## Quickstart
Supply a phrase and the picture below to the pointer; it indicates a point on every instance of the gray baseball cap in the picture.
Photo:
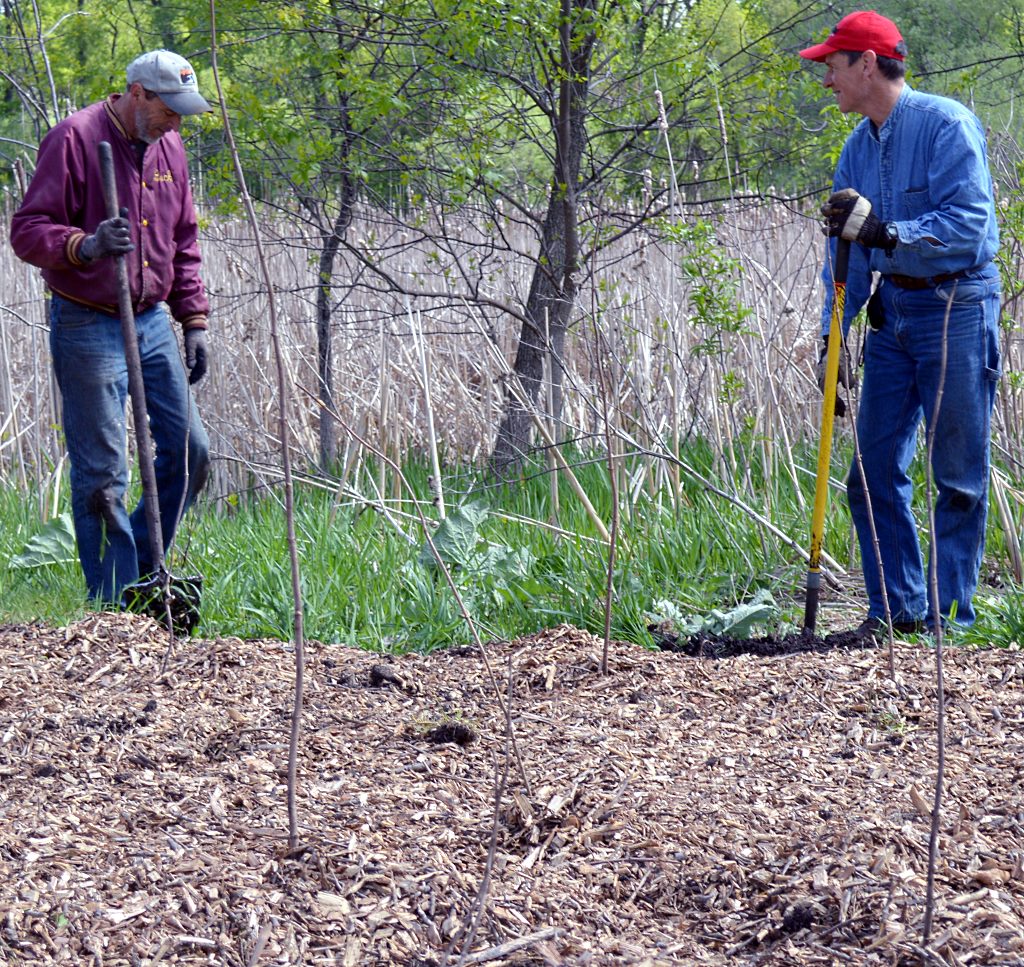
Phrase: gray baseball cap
(171, 77)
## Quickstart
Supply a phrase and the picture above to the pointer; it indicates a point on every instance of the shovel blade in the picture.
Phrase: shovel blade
(157, 594)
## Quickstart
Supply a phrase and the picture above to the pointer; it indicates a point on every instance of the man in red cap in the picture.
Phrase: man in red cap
(913, 193)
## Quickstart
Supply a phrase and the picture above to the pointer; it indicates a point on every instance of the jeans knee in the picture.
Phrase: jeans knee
(855, 487)
(963, 501)
(198, 457)
(103, 502)
(200, 472)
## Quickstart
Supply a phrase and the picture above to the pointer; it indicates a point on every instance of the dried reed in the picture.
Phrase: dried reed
(755, 397)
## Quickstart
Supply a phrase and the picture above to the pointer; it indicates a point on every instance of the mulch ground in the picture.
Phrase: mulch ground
(677, 810)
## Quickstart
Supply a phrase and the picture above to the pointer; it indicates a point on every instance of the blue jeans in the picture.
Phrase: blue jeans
(89, 363)
(902, 366)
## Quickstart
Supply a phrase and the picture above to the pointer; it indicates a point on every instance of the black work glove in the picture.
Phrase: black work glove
(848, 215)
(112, 237)
(196, 354)
(847, 375)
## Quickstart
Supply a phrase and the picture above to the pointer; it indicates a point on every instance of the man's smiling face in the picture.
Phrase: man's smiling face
(847, 81)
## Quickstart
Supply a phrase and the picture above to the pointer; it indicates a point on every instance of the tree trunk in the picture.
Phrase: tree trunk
(324, 350)
(552, 295)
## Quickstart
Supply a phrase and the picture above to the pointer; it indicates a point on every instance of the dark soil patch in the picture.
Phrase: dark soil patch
(771, 646)
(452, 732)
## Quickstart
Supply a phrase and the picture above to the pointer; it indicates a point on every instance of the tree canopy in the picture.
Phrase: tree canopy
(453, 99)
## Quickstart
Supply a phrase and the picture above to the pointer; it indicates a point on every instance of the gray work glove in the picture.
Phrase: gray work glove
(848, 215)
(112, 237)
(196, 354)
(847, 375)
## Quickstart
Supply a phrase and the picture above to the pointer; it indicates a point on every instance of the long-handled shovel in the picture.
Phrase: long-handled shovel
(175, 600)
(828, 406)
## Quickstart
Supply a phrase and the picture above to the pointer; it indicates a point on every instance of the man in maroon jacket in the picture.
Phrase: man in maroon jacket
(62, 228)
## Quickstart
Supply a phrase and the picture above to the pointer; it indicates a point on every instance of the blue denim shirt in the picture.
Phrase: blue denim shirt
(926, 169)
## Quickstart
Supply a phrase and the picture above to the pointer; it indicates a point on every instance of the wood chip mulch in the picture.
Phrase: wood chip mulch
(674, 811)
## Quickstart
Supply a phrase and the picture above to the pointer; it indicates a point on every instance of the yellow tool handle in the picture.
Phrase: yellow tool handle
(828, 408)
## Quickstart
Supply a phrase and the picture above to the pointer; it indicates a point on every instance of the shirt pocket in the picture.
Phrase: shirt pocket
(916, 202)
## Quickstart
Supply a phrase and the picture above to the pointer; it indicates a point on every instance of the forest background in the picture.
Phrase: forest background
(545, 278)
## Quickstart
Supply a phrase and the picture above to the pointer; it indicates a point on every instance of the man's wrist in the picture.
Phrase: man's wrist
(198, 321)
(77, 251)
(874, 233)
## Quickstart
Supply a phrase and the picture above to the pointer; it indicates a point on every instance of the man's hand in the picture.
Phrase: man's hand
(196, 354)
(112, 237)
(847, 375)
(848, 215)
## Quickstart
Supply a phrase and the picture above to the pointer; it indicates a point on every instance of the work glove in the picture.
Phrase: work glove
(847, 373)
(848, 215)
(112, 237)
(196, 354)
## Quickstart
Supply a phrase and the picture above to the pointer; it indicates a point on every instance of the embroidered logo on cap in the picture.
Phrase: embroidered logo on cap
(185, 74)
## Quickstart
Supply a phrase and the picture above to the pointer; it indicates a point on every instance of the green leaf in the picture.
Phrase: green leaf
(54, 544)
(505, 563)
(457, 536)
(739, 622)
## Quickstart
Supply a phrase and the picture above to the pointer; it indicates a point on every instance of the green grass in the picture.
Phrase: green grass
(366, 585)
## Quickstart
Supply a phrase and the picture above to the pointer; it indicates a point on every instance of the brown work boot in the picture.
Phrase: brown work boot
(877, 630)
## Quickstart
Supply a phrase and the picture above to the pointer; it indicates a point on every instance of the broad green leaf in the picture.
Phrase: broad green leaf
(736, 623)
(54, 544)
(457, 536)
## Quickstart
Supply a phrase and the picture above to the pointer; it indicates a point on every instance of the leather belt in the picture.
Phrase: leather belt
(914, 283)
(108, 309)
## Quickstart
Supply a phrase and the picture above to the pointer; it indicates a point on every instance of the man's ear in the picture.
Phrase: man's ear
(870, 59)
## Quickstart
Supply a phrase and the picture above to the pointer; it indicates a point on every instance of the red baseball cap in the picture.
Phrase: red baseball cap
(863, 30)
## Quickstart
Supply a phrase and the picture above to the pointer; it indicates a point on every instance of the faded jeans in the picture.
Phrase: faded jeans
(902, 367)
(89, 363)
